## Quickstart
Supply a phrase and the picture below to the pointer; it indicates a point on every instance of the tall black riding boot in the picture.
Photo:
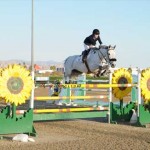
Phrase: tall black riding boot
(84, 56)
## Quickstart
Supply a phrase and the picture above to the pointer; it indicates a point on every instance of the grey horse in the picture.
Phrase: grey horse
(98, 60)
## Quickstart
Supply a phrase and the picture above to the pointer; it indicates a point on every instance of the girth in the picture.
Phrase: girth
(87, 66)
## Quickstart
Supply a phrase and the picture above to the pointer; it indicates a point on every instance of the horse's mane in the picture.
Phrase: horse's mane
(104, 47)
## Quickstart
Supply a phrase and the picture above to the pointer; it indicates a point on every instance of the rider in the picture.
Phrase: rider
(90, 42)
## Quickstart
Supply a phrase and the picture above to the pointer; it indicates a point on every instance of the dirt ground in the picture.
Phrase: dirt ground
(83, 135)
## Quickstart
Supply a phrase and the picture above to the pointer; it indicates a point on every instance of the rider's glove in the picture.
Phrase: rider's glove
(100, 46)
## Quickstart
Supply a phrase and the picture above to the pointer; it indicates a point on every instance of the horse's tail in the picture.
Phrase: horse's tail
(65, 65)
(66, 60)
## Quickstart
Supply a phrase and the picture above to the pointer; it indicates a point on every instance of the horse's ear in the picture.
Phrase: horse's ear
(114, 46)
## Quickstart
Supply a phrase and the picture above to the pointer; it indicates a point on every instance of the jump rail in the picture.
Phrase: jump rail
(64, 110)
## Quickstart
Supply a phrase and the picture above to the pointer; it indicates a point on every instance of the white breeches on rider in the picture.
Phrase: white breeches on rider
(86, 47)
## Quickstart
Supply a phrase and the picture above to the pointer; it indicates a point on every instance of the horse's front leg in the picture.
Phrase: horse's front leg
(98, 74)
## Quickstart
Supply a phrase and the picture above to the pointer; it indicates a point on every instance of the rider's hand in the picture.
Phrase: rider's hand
(92, 46)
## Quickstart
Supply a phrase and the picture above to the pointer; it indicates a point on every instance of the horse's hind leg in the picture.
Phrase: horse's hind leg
(67, 78)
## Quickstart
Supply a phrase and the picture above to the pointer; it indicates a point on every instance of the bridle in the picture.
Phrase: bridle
(107, 61)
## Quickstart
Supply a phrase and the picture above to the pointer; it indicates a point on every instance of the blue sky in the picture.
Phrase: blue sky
(62, 25)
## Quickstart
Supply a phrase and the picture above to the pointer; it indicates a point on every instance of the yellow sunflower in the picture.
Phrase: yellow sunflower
(121, 76)
(145, 85)
(1, 71)
(15, 84)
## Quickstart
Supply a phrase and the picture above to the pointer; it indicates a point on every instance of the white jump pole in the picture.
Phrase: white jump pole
(32, 53)
(139, 92)
(110, 95)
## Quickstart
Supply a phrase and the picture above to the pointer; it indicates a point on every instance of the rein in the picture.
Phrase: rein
(102, 56)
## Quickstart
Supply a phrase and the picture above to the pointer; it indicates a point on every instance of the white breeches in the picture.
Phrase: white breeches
(86, 47)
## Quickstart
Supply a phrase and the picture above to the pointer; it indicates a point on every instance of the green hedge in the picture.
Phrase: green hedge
(53, 78)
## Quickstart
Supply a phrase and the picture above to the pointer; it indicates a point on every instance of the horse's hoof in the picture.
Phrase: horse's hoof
(67, 82)
(95, 76)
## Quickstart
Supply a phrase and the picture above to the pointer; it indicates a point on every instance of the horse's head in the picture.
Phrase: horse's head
(104, 57)
(112, 56)
(108, 54)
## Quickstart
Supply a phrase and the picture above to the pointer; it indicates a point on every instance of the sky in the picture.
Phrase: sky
(60, 27)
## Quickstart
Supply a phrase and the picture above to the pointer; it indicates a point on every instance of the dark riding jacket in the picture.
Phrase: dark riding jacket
(91, 41)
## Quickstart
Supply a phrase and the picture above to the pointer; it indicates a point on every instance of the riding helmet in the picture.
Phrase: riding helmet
(96, 31)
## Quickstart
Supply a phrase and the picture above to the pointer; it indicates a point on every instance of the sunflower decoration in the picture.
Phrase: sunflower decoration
(1, 71)
(121, 76)
(15, 84)
(145, 85)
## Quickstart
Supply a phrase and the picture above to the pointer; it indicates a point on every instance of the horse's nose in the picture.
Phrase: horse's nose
(113, 59)
(113, 65)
